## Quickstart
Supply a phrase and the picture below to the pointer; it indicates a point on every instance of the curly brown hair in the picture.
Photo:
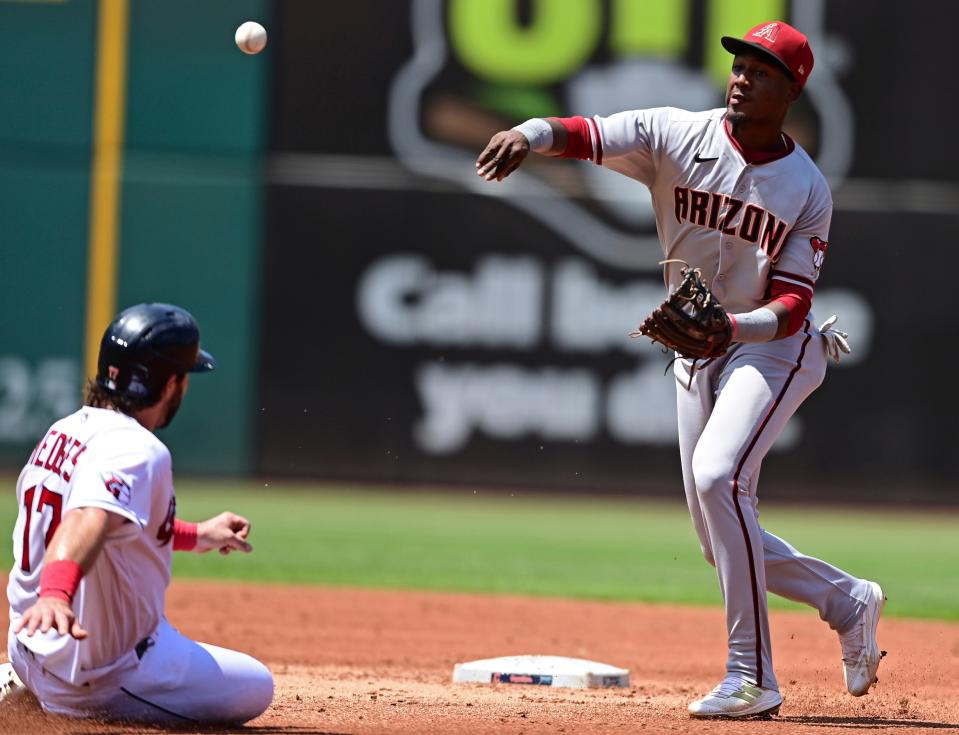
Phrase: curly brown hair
(97, 396)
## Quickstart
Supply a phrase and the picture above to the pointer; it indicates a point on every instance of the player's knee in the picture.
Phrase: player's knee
(711, 475)
(252, 694)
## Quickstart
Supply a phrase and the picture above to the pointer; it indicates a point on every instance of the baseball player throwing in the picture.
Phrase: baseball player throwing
(738, 199)
(94, 541)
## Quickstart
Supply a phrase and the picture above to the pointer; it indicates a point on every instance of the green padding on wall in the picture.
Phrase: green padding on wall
(191, 206)
(46, 78)
(46, 72)
(190, 87)
(43, 206)
(189, 234)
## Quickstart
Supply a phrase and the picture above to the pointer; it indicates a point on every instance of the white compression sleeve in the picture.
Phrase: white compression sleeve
(759, 325)
(538, 133)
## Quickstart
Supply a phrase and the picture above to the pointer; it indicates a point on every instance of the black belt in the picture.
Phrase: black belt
(142, 646)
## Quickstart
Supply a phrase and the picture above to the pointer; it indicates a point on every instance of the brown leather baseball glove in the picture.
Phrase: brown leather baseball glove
(691, 321)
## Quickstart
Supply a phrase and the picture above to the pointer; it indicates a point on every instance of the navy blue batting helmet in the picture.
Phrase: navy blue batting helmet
(146, 344)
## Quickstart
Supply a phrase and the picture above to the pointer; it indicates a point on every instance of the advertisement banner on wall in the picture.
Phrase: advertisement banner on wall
(423, 325)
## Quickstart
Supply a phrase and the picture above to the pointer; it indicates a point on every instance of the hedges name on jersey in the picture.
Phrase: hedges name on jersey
(99, 458)
(93, 544)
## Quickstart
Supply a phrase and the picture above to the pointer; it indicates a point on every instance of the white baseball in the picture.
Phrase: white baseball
(250, 37)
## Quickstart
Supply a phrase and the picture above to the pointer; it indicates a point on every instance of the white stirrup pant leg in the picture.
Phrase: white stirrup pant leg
(182, 681)
(757, 388)
(693, 407)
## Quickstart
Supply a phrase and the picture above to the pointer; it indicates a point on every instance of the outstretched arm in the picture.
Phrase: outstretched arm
(71, 553)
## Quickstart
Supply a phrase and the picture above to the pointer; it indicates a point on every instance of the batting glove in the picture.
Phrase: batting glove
(836, 341)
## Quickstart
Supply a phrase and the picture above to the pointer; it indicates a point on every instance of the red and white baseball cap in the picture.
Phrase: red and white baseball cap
(779, 40)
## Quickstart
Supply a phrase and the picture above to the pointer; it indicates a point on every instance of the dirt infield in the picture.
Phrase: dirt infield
(362, 661)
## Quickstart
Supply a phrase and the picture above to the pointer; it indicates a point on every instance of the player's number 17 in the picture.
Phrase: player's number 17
(47, 498)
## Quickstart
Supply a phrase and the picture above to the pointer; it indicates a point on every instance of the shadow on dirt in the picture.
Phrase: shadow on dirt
(105, 729)
(867, 723)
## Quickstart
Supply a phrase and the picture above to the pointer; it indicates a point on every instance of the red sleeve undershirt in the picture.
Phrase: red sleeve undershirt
(796, 299)
(580, 138)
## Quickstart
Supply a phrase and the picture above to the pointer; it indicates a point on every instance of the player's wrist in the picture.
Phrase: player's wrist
(60, 579)
(759, 325)
(538, 132)
(185, 535)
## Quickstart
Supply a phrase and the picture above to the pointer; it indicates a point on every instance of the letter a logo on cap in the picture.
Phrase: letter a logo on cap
(769, 31)
(779, 40)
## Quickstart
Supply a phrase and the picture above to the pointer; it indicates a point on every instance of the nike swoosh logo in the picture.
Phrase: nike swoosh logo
(699, 159)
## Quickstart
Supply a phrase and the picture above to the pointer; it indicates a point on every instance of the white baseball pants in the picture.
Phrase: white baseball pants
(730, 415)
(176, 681)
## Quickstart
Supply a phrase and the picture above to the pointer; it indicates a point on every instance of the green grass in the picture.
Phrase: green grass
(597, 548)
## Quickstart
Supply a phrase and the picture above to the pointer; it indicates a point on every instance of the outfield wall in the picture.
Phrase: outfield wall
(381, 314)
(188, 217)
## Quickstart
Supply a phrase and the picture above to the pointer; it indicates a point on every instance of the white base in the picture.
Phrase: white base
(553, 671)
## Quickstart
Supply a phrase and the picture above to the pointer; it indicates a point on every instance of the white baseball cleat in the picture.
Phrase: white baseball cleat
(860, 651)
(737, 697)
(9, 681)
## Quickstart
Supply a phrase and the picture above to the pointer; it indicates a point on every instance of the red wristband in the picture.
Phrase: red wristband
(60, 579)
(184, 535)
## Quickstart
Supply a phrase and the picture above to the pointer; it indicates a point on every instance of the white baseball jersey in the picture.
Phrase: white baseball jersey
(104, 459)
(746, 226)
(742, 224)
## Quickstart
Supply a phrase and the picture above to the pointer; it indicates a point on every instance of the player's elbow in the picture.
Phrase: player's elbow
(790, 308)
